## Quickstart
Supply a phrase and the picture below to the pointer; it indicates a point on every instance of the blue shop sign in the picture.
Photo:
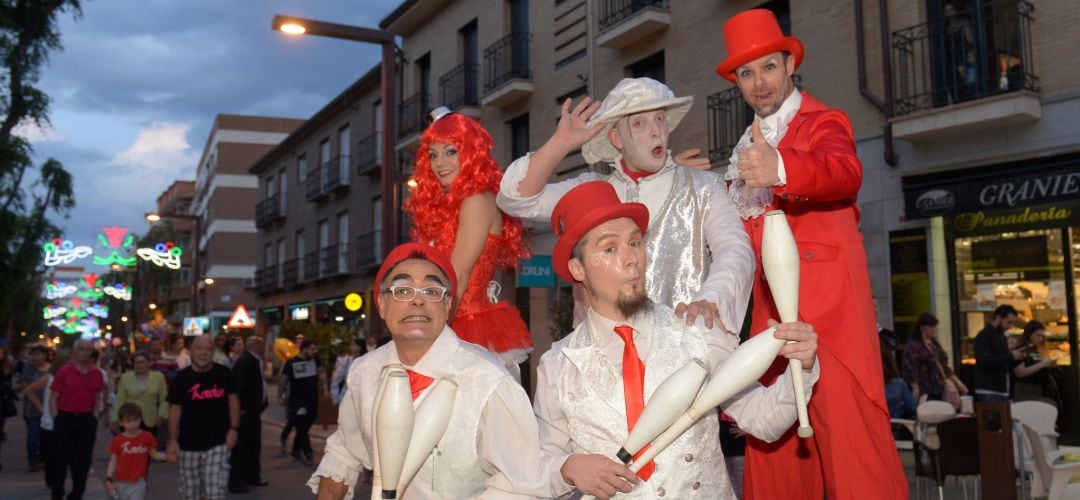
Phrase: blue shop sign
(536, 272)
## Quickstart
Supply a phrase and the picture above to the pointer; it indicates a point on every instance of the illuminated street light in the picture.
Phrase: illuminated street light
(293, 28)
(209, 281)
(123, 318)
(152, 306)
(411, 183)
(151, 217)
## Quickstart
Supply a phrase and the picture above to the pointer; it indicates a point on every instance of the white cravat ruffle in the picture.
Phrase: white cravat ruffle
(750, 201)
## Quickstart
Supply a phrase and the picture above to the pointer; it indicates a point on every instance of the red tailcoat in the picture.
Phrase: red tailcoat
(852, 454)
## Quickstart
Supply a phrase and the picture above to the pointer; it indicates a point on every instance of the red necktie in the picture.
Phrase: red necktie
(418, 383)
(633, 389)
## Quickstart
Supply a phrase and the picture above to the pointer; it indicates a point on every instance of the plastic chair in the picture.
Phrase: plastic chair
(925, 440)
(906, 424)
(1042, 418)
(958, 454)
(1056, 475)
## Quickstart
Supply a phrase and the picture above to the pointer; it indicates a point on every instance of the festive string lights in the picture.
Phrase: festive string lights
(118, 291)
(117, 239)
(98, 310)
(53, 311)
(59, 290)
(60, 251)
(165, 254)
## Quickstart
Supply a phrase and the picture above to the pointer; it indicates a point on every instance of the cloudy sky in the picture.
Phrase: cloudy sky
(137, 86)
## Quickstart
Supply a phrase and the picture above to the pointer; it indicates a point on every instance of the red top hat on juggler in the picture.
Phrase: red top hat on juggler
(583, 208)
(752, 34)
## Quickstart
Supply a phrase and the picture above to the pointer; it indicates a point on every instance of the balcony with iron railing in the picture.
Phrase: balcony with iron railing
(976, 66)
(311, 267)
(368, 250)
(507, 74)
(269, 210)
(289, 273)
(334, 260)
(460, 87)
(337, 173)
(315, 184)
(266, 279)
(624, 22)
(412, 118)
(368, 155)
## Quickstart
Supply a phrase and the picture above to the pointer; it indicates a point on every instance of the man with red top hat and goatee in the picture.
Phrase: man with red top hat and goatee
(799, 156)
(489, 449)
(593, 384)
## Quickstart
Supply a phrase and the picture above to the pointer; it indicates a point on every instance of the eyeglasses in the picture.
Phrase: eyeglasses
(405, 293)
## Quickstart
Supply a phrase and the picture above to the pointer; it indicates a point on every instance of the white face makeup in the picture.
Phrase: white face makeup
(642, 139)
(766, 81)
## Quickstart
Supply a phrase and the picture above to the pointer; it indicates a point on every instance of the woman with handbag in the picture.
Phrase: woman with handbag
(926, 367)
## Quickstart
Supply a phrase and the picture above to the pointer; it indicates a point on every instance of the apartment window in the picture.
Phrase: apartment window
(324, 156)
(301, 168)
(269, 186)
(423, 77)
(343, 141)
(343, 242)
(649, 67)
(300, 253)
(283, 178)
(268, 255)
(519, 136)
(324, 244)
(376, 111)
(281, 260)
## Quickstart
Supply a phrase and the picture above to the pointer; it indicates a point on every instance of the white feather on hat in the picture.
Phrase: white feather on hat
(631, 96)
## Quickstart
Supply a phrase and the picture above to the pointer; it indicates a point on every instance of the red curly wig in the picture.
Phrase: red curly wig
(434, 209)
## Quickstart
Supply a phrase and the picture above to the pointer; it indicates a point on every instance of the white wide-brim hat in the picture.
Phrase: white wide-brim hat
(632, 96)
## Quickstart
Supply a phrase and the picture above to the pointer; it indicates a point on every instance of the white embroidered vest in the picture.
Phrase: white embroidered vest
(590, 393)
(678, 253)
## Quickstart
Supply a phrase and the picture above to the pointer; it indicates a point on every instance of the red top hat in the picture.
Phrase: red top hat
(752, 34)
(583, 208)
(408, 251)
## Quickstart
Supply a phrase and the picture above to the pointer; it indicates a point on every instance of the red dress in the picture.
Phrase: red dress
(495, 326)
(852, 454)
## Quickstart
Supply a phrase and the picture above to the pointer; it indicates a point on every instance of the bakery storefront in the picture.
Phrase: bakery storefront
(1009, 234)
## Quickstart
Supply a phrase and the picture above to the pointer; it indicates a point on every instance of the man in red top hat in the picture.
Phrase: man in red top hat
(799, 156)
(593, 384)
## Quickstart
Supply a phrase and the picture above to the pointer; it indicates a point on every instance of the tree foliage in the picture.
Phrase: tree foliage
(28, 33)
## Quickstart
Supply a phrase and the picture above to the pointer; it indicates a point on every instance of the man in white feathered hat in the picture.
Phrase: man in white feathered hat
(701, 260)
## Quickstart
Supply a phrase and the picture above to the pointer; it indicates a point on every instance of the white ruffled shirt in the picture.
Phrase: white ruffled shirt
(507, 438)
(751, 202)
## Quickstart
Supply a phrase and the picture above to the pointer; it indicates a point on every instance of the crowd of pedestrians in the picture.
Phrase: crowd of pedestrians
(192, 401)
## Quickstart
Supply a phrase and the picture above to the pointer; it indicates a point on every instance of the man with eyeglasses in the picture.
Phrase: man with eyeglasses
(490, 448)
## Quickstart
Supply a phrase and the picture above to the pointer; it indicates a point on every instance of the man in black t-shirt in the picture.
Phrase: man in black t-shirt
(303, 376)
(204, 413)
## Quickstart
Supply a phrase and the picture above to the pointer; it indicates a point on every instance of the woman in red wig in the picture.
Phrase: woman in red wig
(453, 209)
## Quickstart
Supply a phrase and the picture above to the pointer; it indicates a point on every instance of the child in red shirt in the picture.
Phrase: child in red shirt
(129, 456)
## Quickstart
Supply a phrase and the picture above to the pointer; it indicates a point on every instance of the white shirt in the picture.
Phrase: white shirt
(764, 412)
(729, 278)
(507, 443)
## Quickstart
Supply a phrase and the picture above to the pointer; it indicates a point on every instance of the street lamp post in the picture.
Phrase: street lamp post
(296, 26)
(151, 217)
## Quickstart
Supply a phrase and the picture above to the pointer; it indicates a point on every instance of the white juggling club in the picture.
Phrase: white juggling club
(376, 478)
(430, 423)
(743, 367)
(393, 428)
(669, 401)
(780, 262)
